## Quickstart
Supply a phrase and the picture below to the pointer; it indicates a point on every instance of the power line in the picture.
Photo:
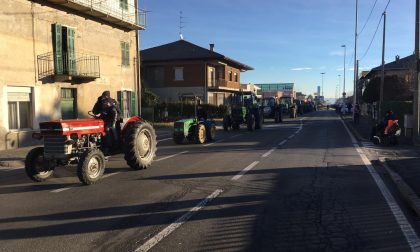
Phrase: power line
(368, 18)
(376, 31)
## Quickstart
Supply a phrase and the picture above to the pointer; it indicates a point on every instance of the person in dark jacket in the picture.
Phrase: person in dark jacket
(108, 110)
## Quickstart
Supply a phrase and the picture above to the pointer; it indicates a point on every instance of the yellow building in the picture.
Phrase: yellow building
(58, 56)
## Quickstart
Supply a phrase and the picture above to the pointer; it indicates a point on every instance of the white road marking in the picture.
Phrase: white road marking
(234, 136)
(110, 174)
(406, 228)
(169, 229)
(245, 170)
(170, 156)
(165, 139)
(291, 136)
(282, 142)
(61, 190)
(268, 153)
(218, 141)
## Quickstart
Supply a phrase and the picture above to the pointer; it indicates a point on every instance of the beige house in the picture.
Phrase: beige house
(58, 56)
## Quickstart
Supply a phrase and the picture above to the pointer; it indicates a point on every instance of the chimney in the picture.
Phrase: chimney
(397, 58)
(212, 47)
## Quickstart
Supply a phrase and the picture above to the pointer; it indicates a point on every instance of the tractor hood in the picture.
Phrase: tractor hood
(67, 127)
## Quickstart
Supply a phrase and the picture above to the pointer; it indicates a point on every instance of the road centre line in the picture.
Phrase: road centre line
(245, 170)
(218, 141)
(268, 153)
(282, 142)
(165, 139)
(171, 156)
(61, 190)
(169, 229)
(406, 228)
(110, 174)
(235, 136)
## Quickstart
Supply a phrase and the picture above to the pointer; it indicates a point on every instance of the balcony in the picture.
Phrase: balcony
(119, 13)
(81, 66)
(224, 84)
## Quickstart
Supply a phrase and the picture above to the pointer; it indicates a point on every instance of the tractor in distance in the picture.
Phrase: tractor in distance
(289, 107)
(82, 142)
(197, 129)
(272, 108)
(243, 108)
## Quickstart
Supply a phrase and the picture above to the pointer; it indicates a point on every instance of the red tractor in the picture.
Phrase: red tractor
(81, 142)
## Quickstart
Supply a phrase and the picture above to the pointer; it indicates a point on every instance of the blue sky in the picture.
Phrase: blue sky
(286, 40)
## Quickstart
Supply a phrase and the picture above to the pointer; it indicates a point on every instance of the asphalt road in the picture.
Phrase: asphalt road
(303, 185)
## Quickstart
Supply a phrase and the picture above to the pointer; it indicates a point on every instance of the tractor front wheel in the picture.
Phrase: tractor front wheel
(91, 167)
(140, 145)
(200, 134)
(36, 167)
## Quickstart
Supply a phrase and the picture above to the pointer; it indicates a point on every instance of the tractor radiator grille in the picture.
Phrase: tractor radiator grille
(56, 146)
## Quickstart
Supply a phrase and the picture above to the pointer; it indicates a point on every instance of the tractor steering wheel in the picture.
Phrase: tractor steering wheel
(92, 114)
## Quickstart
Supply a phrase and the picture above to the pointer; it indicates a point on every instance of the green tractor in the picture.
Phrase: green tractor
(195, 130)
(272, 108)
(289, 107)
(243, 108)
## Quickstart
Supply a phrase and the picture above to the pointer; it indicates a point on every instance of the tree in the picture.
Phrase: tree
(395, 89)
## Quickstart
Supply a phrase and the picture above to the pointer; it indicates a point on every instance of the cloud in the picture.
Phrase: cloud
(301, 68)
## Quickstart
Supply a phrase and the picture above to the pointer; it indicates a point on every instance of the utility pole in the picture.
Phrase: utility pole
(416, 110)
(344, 76)
(381, 88)
(355, 56)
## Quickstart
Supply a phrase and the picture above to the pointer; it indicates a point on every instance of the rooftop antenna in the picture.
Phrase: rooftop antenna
(181, 25)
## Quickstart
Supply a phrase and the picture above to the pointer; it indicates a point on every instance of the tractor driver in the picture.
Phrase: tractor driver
(108, 110)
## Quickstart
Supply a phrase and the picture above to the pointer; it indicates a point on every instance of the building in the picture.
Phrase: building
(253, 88)
(318, 90)
(59, 56)
(175, 70)
(277, 89)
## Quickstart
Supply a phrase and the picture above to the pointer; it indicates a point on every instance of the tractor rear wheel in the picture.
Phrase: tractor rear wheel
(227, 123)
(211, 133)
(200, 134)
(250, 122)
(140, 145)
(235, 126)
(35, 165)
(276, 117)
(91, 167)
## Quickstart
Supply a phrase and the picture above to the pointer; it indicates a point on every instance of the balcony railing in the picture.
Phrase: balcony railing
(222, 83)
(120, 13)
(81, 66)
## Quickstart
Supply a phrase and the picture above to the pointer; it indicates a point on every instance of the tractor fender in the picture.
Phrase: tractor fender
(129, 123)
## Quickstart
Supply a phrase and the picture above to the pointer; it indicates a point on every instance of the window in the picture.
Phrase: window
(230, 75)
(128, 103)
(236, 77)
(125, 54)
(19, 109)
(179, 73)
(124, 4)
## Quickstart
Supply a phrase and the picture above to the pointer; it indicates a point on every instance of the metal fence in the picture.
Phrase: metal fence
(81, 65)
(123, 10)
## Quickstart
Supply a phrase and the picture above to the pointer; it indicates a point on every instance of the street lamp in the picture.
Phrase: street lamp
(322, 85)
(344, 82)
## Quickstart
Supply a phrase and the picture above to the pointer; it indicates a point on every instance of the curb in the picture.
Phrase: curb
(406, 191)
(12, 164)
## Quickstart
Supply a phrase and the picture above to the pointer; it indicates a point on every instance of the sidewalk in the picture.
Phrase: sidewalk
(402, 161)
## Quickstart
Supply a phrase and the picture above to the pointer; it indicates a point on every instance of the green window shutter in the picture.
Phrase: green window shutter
(133, 107)
(120, 102)
(58, 49)
(71, 52)
(127, 52)
(122, 54)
